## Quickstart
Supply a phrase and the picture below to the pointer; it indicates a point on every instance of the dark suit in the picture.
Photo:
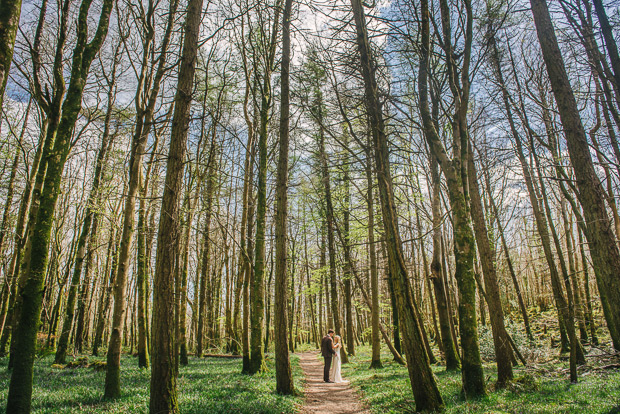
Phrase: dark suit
(327, 350)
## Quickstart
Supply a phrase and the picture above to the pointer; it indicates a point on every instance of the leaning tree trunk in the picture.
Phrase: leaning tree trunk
(599, 232)
(539, 218)
(423, 384)
(503, 351)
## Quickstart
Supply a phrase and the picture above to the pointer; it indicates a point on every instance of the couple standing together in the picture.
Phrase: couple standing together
(330, 349)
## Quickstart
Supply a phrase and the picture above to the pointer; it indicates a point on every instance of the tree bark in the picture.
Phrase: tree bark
(503, 352)
(599, 233)
(163, 371)
(423, 384)
(36, 258)
(456, 172)
(84, 237)
(284, 376)
(10, 11)
(375, 361)
(145, 110)
(453, 360)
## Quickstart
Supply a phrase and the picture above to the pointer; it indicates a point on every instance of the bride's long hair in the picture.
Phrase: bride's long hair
(338, 338)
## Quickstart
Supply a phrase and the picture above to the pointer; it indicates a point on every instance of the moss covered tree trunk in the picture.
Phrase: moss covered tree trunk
(599, 232)
(85, 232)
(36, 258)
(347, 274)
(423, 383)
(105, 297)
(141, 283)
(205, 277)
(456, 172)
(257, 285)
(375, 361)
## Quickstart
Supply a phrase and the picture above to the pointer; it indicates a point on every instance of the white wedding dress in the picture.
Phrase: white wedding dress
(335, 374)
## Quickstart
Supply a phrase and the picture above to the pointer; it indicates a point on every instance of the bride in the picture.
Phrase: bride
(335, 374)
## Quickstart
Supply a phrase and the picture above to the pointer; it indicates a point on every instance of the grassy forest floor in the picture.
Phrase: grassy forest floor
(215, 385)
(539, 388)
(210, 385)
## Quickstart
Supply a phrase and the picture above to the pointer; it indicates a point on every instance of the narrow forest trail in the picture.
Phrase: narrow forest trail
(324, 398)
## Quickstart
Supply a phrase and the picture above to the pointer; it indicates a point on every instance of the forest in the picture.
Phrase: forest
(193, 193)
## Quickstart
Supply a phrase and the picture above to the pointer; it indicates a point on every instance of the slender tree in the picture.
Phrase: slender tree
(284, 376)
(146, 98)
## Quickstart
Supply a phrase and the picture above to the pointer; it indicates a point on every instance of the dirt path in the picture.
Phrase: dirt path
(324, 398)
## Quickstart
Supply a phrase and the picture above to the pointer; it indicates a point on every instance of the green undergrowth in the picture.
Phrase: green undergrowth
(540, 388)
(208, 385)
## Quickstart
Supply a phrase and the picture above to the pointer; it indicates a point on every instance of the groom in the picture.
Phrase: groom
(327, 350)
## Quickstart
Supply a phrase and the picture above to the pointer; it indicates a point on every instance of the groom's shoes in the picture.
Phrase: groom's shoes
(329, 382)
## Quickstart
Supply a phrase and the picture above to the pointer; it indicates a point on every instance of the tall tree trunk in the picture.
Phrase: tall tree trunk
(329, 223)
(456, 172)
(284, 376)
(586, 281)
(610, 42)
(208, 243)
(423, 384)
(509, 263)
(375, 361)
(106, 292)
(141, 280)
(539, 217)
(163, 371)
(347, 276)
(91, 208)
(8, 294)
